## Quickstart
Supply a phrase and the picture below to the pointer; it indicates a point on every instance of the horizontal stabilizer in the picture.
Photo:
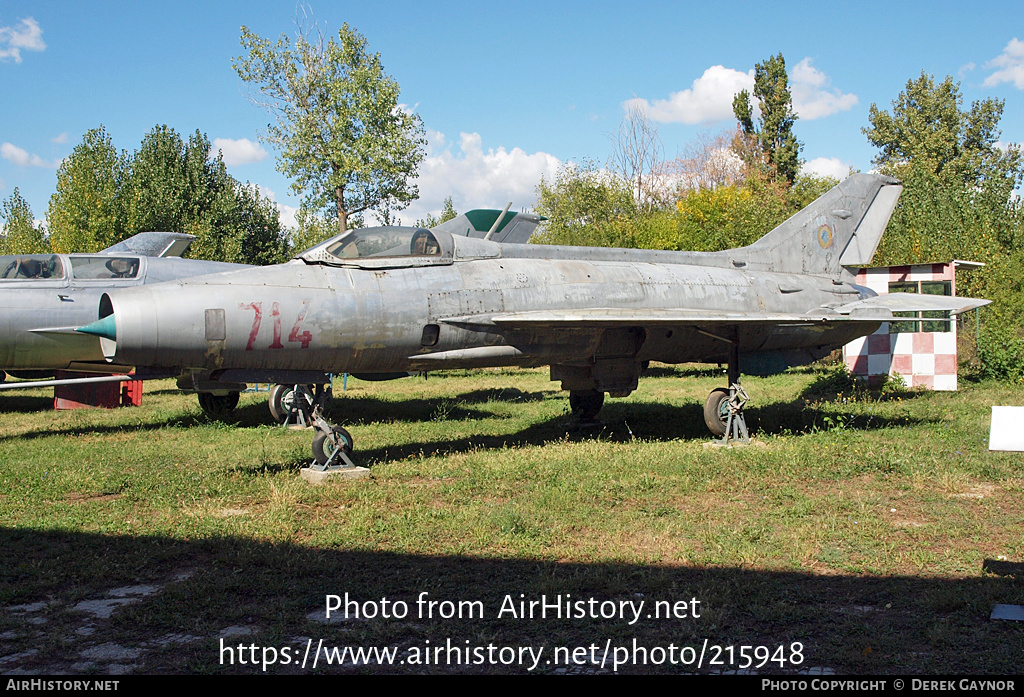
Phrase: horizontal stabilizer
(913, 302)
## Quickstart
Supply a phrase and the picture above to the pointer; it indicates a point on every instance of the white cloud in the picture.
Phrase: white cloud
(288, 216)
(436, 142)
(62, 138)
(22, 157)
(826, 167)
(710, 96)
(287, 213)
(812, 98)
(475, 178)
(1010, 64)
(472, 176)
(26, 34)
(708, 99)
(238, 152)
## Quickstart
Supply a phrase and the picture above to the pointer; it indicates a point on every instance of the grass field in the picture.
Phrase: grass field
(859, 534)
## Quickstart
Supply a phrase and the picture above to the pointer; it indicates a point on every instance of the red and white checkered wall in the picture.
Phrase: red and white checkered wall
(923, 359)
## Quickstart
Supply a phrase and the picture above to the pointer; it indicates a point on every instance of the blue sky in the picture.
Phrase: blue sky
(507, 91)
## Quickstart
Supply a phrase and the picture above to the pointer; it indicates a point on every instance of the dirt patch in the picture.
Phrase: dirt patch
(80, 497)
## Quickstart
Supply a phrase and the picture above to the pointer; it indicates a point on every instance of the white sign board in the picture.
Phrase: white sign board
(1007, 429)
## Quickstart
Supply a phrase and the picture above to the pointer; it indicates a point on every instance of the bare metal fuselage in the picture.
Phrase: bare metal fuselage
(390, 300)
(488, 307)
(38, 316)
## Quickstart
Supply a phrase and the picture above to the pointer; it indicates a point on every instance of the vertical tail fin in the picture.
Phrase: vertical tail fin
(841, 228)
(514, 227)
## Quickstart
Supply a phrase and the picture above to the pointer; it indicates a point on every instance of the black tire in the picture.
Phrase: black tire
(218, 405)
(716, 411)
(284, 400)
(323, 448)
(586, 404)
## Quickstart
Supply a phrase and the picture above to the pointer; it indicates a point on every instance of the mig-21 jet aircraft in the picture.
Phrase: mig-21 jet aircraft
(386, 301)
(44, 297)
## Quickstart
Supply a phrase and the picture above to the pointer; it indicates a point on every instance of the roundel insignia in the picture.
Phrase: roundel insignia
(825, 236)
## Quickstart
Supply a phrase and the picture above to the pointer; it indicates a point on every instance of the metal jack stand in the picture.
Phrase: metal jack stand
(736, 425)
(332, 440)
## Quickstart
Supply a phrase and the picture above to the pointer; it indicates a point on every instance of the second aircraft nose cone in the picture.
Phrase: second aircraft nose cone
(103, 327)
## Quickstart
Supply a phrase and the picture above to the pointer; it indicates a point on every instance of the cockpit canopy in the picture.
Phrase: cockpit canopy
(31, 267)
(83, 267)
(383, 246)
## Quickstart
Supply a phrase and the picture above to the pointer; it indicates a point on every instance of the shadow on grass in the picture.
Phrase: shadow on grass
(687, 371)
(170, 601)
(366, 410)
(249, 416)
(625, 422)
(620, 422)
(25, 404)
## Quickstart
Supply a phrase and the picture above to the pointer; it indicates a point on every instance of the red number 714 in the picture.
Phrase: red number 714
(294, 336)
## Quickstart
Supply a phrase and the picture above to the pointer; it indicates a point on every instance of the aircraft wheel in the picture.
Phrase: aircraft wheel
(3, 376)
(716, 411)
(323, 448)
(284, 400)
(218, 405)
(586, 404)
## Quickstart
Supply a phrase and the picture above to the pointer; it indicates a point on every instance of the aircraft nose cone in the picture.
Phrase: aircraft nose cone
(103, 328)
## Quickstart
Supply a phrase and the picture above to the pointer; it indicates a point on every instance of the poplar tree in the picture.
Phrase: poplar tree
(86, 213)
(19, 232)
(774, 131)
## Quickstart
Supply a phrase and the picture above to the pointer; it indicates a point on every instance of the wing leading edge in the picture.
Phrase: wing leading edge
(876, 309)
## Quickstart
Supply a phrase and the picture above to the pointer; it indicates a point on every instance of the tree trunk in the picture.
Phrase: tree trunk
(339, 199)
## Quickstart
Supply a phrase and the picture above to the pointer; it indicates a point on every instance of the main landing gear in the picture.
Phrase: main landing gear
(723, 413)
(217, 405)
(723, 410)
(585, 405)
(294, 404)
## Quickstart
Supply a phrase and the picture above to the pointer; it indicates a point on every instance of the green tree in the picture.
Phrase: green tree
(958, 186)
(312, 229)
(587, 206)
(20, 234)
(958, 202)
(806, 188)
(710, 220)
(258, 227)
(775, 132)
(175, 185)
(86, 212)
(340, 130)
(448, 212)
(928, 128)
(168, 184)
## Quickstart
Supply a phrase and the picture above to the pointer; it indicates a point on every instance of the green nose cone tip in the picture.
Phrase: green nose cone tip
(103, 327)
